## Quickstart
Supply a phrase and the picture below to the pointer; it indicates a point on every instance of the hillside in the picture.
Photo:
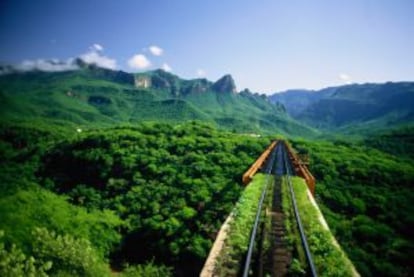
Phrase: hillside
(366, 195)
(352, 107)
(143, 170)
(93, 96)
(169, 187)
(163, 188)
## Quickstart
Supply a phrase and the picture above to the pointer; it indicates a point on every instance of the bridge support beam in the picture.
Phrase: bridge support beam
(248, 175)
(301, 169)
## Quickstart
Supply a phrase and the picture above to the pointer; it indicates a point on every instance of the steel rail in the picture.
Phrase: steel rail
(259, 210)
(298, 220)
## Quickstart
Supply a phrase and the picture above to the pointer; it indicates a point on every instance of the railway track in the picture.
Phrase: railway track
(309, 259)
(280, 166)
(269, 169)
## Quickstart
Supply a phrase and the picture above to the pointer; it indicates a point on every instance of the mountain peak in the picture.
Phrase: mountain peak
(225, 84)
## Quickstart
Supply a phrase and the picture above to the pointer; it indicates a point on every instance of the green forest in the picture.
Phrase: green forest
(142, 200)
(151, 198)
(94, 97)
(365, 190)
(148, 200)
(133, 144)
(90, 161)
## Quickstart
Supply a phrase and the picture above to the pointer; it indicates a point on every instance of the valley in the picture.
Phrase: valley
(206, 138)
(352, 109)
(97, 97)
(143, 169)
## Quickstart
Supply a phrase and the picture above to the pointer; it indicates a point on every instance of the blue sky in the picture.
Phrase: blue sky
(267, 45)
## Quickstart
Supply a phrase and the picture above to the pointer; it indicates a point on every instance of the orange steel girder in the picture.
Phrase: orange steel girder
(301, 170)
(248, 175)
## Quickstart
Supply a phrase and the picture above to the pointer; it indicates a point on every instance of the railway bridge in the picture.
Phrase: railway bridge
(268, 253)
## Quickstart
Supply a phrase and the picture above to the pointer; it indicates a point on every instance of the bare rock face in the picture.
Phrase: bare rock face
(160, 79)
(142, 81)
(225, 85)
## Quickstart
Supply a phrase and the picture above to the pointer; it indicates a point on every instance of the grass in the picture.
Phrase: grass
(329, 258)
(243, 216)
(69, 97)
(292, 233)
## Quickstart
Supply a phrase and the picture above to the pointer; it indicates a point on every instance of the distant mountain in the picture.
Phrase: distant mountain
(225, 84)
(295, 101)
(352, 106)
(93, 96)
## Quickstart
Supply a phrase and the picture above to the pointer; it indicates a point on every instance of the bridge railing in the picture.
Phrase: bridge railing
(248, 175)
(301, 169)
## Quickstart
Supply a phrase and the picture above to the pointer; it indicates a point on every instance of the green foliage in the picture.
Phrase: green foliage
(20, 148)
(366, 196)
(166, 188)
(241, 224)
(396, 142)
(14, 263)
(27, 209)
(52, 255)
(296, 268)
(329, 259)
(67, 255)
(96, 97)
(146, 270)
(292, 236)
(24, 205)
(353, 109)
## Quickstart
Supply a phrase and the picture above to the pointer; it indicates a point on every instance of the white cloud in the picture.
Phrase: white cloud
(47, 65)
(95, 57)
(166, 67)
(345, 78)
(97, 47)
(139, 61)
(155, 50)
(201, 72)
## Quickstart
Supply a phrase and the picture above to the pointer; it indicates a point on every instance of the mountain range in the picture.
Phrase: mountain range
(356, 106)
(91, 96)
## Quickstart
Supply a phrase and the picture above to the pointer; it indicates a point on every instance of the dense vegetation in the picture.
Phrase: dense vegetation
(398, 142)
(366, 196)
(152, 194)
(352, 108)
(243, 215)
(328, 258)
(77, 172)
(97, 97)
